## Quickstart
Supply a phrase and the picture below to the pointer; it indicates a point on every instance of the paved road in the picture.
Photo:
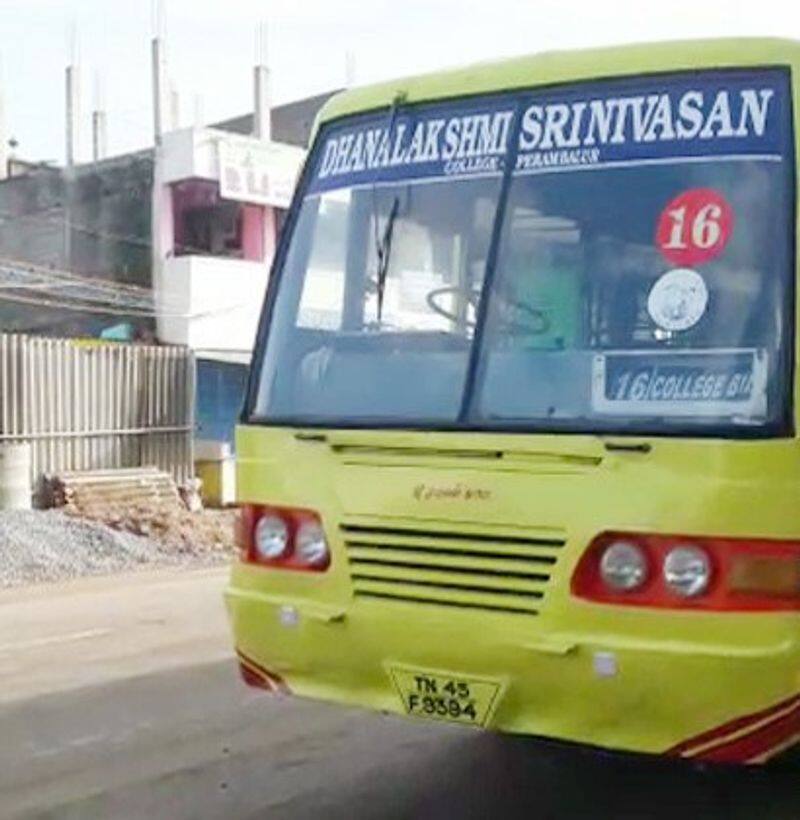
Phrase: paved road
(187, 740)
(193, 743)
(95, 630)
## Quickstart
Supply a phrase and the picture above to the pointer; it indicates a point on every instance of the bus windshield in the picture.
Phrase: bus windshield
(604, 257)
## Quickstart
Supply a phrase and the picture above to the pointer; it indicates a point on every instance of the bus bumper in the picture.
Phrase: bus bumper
(724, 703)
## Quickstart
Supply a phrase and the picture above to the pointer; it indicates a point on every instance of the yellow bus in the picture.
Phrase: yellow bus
(520, 444)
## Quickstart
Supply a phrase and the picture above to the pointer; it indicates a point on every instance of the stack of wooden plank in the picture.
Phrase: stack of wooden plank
(94, 491)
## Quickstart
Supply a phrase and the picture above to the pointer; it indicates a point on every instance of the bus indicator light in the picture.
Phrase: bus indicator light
(763, 575)
(704, 573)
(283, 538)
(687, 571)
(271, 537)
(623, 566)
(310, 543)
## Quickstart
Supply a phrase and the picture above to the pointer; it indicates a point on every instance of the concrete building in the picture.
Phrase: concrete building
(92, 220)
(218, 201)
(177, 240)
(95, 219)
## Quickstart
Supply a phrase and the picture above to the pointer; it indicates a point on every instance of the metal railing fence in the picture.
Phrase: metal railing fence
(84, 405)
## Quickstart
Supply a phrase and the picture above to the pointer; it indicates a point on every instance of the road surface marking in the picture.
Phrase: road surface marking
(5, 649)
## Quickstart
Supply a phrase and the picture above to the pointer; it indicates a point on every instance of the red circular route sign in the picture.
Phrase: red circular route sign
(694, 227)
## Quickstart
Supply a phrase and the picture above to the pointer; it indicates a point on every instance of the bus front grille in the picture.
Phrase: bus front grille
(470, 570)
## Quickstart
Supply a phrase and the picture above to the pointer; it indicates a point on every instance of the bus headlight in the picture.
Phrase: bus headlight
(687, 571)
(271, 537)
(310, 544)
(623, 566)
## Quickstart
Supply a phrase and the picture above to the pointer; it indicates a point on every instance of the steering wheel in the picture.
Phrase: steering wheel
(473, 297)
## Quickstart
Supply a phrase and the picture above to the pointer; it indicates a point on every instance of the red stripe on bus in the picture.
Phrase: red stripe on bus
(732, 726)
(756, 743)
(253, 678)
(275, 681)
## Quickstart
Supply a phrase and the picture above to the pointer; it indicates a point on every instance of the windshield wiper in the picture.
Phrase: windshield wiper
(383, 250)
(383, 245)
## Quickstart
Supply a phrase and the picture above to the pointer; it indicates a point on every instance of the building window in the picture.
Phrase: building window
(207, 225)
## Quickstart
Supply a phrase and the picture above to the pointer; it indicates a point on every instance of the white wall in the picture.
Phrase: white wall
(210, 304)
(189, 153)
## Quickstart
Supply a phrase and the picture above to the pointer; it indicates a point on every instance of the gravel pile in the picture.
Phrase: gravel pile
(47, 545)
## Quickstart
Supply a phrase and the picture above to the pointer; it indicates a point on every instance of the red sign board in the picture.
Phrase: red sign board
(694, 227)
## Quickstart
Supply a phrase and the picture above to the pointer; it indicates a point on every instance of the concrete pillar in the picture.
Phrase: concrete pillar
(99, 136)
(262, 117)
(174, 107)
(3, 132)
(199, 116)
(73, 115)
(349, 69)
(262, 97)
(99, 133)
(160, 103)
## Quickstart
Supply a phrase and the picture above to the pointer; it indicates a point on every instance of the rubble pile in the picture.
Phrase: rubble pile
(169, 523)
(145, 501)
(49, 545)
(108, 521)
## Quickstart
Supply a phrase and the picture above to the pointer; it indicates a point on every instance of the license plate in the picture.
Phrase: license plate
(442, 696)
